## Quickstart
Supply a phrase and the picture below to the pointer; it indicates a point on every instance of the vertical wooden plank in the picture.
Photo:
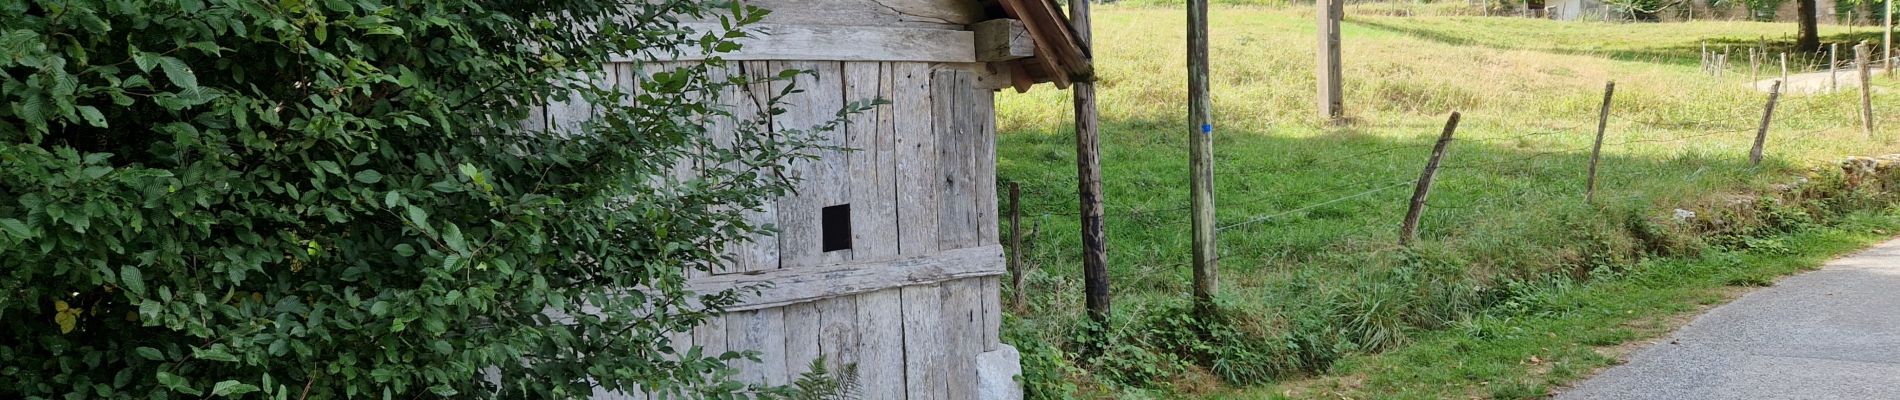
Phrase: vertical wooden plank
(710, 337)
(924, 345)
(762, 331)
(992, 313)
(950, 93)
(822, 182)
(881, 365)
(570, 110)
(838, 330)
(916, 159)
(801, 338)
(873, 166)
(962, 341)
(1331, 104)
(751, 105)
(982, 115)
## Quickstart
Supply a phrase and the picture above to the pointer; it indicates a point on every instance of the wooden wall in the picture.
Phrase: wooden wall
(915, 298)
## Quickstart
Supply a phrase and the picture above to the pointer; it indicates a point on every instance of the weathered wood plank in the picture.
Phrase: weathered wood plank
(924, 344)
(961, 321)
(983, 116)
(749, 104)
(909, 13)
(710, 336)
(835, 43)
(801, 338)
(881, 344)
(814, 99)
(787, 286)
(838, 330)
(916, 159)
(952, 95)
(873, 165)
(762, 331)
(1002, 39)
(992, 313)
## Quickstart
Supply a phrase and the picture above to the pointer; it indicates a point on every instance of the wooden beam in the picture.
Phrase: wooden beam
(1003, 40)
(1330, 101)
(781, 287)
(833, 43)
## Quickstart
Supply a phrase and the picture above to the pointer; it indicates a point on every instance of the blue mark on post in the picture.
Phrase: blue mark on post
(1207, 129)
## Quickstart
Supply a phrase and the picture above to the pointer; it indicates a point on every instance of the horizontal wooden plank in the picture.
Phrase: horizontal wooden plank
(1003, 39)
(840, 43)
(793, 285)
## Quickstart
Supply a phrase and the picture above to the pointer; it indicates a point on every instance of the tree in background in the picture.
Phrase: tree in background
(1808, 40)
(331, 198)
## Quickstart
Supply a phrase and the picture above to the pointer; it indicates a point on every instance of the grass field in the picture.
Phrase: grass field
(1310, 212)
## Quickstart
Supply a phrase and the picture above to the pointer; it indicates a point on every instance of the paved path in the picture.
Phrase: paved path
(1817, 82)
(1828, 334)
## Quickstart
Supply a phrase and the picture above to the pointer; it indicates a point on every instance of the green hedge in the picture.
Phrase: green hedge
(331, 198)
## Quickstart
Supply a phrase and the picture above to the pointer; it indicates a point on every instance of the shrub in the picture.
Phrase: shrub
(335, 199)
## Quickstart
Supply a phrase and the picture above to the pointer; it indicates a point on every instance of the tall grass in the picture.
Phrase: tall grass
(1507, 210)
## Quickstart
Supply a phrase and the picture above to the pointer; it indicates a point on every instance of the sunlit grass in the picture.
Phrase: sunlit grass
(1509, 203)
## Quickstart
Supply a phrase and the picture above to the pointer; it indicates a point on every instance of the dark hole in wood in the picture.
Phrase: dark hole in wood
(836, 224)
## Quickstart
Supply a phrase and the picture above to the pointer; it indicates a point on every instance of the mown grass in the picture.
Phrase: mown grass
(1324, 270)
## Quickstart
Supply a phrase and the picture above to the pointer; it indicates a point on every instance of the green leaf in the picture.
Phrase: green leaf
(452, 235)
(215, 353)
(420, 218)
(231, 388)
(93, 116)
(369, 176)
(95, 172)
(150, 353)
(405, 250)
(16, 228)
(132, 279)
(179, 73)
(176, 383)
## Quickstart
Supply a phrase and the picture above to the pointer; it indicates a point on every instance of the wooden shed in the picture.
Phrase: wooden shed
(912, 296)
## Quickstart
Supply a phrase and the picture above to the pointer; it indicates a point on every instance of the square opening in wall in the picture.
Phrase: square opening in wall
(836, 224)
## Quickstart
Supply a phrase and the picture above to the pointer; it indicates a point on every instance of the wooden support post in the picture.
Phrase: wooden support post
(1201, 158)
(1596, 150)
(1754, 67)
(1833, 67)
(1088, 166)
(1016, 272)
(1408, 230)
(1767, 115)
(1331, 101)
(1721, 65)
(1886, 40)
(1705, 59)
(1784, 66)
(1866, 88)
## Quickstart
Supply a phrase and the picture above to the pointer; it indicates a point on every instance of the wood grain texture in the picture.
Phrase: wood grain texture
(793, 285)
(992, 312)
(814, 99)
(962, 341)
(751, 104)
(762, 331)
(837, 43)
(952, 97)
(911, 13)
(916, 159)
(881, 344)
(1002, 39)
(925, 358)
(838, 330)
(873, 163)
(983, 116)
(801, 338)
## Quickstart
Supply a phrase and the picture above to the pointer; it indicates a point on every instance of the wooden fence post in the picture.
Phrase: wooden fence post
(1016, 272)
(1866, 88)
(1767, 115)
(1833, 67)
(1088, 164)
(1331, 102)
(1596, 150)
(1784, 66)
(1408, 230)
(1886, 39)
(1201, 159)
